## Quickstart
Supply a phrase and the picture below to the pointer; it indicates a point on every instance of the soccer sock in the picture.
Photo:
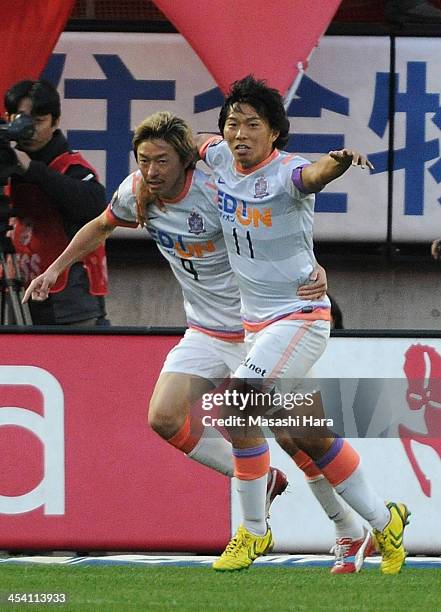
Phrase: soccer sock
(359, 494)
(251, 467)
(341, 466)
(204, 445)
(344, 521)
(345, 524)
(215, 451)
(252, 494)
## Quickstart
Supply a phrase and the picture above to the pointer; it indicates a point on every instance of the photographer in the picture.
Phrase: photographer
(54, 192)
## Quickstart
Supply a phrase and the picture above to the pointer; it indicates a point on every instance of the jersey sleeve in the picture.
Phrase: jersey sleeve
(293, 177)
(122, 208)
(211, 152)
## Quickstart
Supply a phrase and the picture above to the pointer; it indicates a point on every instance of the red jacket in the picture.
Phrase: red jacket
(39, 235)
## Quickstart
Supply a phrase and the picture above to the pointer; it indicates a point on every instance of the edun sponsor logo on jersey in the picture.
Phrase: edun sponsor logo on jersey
(232, 209)
(180, 247)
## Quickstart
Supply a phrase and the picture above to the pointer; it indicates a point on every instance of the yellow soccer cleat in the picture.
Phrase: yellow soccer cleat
(243, 549)
(389, 542)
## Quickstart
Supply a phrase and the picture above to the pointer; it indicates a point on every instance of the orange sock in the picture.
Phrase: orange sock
(306, 464)
(188, 435)
(339, 461)
(251, 463)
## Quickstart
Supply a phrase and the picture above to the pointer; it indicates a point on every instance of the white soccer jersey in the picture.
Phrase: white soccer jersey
(188, 233)
(267, 223)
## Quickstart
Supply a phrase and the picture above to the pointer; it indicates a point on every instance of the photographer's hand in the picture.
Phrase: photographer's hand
(23, 159)
(39, 288)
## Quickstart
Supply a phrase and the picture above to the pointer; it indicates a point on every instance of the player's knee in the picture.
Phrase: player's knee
(315, 447)
(285, 441)
(162, 420)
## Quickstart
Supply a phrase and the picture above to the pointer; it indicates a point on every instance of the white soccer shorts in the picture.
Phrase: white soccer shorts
(283, 351)
(202, 355)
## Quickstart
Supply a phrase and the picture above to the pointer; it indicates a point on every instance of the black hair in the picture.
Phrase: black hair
(267, 101)
(43, 95)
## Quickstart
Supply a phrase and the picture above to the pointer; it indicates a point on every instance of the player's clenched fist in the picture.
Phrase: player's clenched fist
(39, 288)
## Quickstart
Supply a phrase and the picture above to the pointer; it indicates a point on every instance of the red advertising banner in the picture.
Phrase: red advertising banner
(79, 467)
(23, 27)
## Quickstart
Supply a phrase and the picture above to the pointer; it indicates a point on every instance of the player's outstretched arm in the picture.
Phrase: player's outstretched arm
(329, 167)
(316, 289)
(40, 286)
(86, 240)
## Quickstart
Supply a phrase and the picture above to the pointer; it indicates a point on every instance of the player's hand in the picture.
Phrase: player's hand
(39, 288)
(317, 289)
(348, 157)
(435, 249)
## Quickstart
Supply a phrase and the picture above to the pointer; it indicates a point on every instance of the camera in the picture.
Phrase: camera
(22, 128)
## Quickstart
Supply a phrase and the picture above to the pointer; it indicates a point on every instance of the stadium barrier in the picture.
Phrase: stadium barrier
(80, 469)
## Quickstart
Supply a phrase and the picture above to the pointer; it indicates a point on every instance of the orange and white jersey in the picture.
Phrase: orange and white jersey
(188, 233)
(267, 222)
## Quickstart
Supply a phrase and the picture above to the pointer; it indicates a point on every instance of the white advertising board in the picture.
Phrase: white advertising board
(412, 476)
(109, 82)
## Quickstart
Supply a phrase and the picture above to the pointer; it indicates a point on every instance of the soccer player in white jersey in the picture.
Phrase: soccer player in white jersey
(182, 218)
(266, 200)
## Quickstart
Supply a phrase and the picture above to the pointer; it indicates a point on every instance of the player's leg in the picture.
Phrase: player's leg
(335, 457)
(340, 463)
(251, 464)
(192, 369)
(300, 344)
(352, 542)
(269, 350)
(189, 371)
(174, 416)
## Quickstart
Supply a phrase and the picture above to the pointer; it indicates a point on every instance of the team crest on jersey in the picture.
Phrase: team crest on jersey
(261, 187)
(195, 223)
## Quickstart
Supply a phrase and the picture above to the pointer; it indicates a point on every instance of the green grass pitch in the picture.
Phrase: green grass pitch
(202, 590)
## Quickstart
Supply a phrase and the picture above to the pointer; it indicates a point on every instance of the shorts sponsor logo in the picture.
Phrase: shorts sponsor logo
(253, 367)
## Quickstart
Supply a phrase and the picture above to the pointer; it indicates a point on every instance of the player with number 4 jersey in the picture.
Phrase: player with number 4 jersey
(187, 232)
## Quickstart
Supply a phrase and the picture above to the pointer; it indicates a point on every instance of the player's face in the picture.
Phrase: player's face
(248, 135)
(44, 127)
(161, 168)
